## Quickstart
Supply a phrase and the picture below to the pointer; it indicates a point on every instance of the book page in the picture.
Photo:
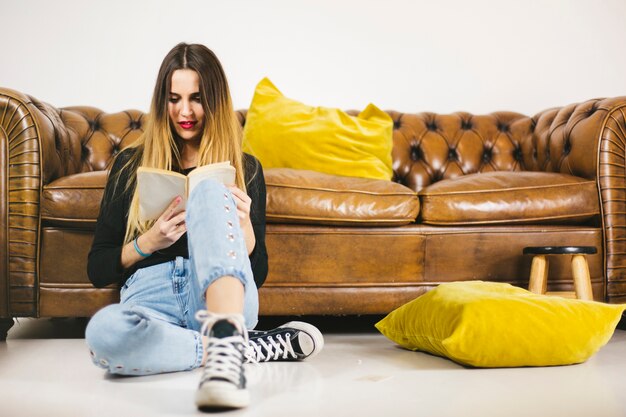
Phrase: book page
(157, 188)
(222, 172)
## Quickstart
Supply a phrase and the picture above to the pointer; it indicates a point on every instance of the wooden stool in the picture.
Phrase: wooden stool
(580, 270)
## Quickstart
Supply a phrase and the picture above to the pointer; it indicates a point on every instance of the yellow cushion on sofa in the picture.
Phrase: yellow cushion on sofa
(284, 133)
(489, 324)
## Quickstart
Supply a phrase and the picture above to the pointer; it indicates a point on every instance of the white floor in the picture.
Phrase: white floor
(45, 370)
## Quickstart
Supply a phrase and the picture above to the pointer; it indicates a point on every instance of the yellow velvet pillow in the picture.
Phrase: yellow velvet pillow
(284, 133)
(488, 324)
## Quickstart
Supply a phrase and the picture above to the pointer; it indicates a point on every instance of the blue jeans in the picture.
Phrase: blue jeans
(153, 328)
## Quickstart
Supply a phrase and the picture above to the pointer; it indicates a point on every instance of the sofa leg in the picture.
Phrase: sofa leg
(5, 324)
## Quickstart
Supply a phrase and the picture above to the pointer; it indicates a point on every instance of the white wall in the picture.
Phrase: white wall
(441, 56)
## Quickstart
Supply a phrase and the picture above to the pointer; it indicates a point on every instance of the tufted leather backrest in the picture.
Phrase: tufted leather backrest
(97, 136)
(428, 147)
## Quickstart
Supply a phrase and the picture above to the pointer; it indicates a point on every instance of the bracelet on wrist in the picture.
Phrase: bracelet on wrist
(136, 245)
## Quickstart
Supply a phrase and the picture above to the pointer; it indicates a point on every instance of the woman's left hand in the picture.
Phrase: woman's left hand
(244, 202)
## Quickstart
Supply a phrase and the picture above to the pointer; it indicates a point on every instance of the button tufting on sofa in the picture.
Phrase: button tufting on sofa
(466, 125)
(487, 153)
(591, 110)
(567, 147)
(94, 125)
(416, 153)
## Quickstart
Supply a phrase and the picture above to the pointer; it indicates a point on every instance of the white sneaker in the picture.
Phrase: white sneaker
(293, 341)
(223, 381)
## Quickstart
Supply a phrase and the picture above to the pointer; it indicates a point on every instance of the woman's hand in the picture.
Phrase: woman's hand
(168, 228)
(243, 202)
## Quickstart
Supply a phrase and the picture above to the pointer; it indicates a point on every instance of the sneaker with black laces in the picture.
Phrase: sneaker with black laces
(293, 341)
(223, 381)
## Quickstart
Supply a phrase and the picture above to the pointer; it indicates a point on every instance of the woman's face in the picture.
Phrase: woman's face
(185, 106)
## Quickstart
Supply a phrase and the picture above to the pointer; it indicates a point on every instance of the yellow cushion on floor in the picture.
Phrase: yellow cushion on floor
(284, 133)
(489, 324)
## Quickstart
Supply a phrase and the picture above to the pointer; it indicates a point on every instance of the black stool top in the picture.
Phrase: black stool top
(560, 250)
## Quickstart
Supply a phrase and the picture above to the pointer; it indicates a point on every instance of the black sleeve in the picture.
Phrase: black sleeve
(255, 184)
(103, 263)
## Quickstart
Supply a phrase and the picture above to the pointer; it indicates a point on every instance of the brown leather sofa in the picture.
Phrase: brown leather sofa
(488, 186)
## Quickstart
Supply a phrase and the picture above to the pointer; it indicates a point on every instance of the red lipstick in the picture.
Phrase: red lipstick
(187, 124)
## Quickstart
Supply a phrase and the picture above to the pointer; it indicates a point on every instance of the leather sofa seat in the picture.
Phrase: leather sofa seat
(503, 198)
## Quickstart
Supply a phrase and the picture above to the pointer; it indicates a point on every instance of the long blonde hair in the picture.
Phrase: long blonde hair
(157, 146)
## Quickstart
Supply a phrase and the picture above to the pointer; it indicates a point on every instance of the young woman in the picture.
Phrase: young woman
(189, 279)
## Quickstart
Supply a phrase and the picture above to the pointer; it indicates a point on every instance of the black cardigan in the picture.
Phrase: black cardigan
(103, 264)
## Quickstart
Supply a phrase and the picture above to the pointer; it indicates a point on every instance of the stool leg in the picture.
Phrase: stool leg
(582, 280)
(539, 275)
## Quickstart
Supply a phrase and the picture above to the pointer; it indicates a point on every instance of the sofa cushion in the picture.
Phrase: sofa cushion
(284, 133)
(491, 324)
(510, 197)
(301, 196)
(74, 200)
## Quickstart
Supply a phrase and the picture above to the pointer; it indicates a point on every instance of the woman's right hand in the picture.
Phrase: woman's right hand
(168, 228)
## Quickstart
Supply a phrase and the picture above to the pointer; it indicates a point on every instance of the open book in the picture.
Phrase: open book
(158, 187)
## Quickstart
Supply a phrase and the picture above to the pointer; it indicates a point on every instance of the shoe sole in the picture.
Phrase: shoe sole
(316, 335)
(214, 396)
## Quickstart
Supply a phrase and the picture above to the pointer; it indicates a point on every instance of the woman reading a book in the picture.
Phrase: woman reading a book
(189, 278)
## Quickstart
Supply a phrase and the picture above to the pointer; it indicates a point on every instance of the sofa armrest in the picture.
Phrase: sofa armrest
(611, 177)
(40, 144)
(28, 145)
